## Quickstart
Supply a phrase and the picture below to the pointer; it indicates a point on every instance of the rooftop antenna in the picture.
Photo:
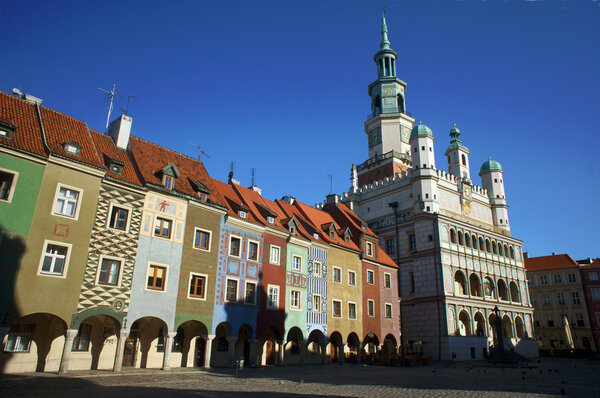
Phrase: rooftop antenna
(200, 151)
(129, 98)
(330, 183)
(110, 96)
(253, 176)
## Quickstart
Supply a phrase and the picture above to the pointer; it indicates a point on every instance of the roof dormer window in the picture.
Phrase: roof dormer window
(116, 168)
(292, 230)
(72, 148)
(168, 181)
(242, 214)
(7, 130)
(316, 236)
(202, 196)
(271, 220)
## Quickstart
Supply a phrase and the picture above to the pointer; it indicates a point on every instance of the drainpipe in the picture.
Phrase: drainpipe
(39, 113)
(437, 287)
(394, 205)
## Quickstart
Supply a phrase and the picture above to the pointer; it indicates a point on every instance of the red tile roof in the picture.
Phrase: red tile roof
(234, 202)
(149, 157)
(555, 261)
(261, 208)
(17, 112)
(594, 264)
(108, 151)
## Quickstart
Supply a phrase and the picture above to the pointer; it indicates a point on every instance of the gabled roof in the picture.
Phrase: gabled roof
(149, 158)
(109, 152)
(319, 217)
(593, 265)
(234, 202)
(555, 261)
(305, 228)
(21, 116)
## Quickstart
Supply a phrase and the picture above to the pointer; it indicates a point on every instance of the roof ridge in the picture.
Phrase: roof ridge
(168, 149)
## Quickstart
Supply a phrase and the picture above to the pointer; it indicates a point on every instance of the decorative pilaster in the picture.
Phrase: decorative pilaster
(208, 350)
(66, 354)
(168, 347)
(123, 334)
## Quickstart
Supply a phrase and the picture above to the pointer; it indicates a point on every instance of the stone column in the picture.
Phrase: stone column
(66, 354)
(359, 353)
(303, 351)
(281, 353)
(253, 353)
(231, 352)
(123, 334)
(168, 346)
(323, 353)
(208, 350)
(341, 354)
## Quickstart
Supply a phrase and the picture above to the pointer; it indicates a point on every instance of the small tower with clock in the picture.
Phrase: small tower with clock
(389, 125)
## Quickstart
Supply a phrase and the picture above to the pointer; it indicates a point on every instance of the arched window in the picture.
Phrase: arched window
(475, 285)
(467, 240)
(481, 244)
(400, 104)
(377, 105)
(507, 326)
(502, 290)
(474, 238)
(488, 288)
(494, 248)
(514, 292)
(460, 283)
(464, 160)
(500, 249)
(505, 251)
(460, 238)
(519, 327)
(452, 235)
(512, 252)
(464, 323)
(488, 246)
(479, 323)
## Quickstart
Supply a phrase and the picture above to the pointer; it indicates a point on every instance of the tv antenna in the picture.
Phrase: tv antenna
(110, 95)
(330, 183)
(253, 172)
(200, 151)
(129, 98)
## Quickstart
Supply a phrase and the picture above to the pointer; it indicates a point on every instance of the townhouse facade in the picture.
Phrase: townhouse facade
(590, 274)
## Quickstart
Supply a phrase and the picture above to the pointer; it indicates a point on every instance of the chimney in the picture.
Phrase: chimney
(256, 189)
(119, 130)
(32, 100)
(333, 198)
(288, 199)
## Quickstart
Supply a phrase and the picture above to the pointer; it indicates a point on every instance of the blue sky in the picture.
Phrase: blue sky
(281, 86)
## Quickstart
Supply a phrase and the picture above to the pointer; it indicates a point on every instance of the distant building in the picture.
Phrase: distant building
(558, 295)
(590, 276)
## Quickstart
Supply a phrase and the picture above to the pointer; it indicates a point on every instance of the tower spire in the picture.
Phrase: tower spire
(385, 43)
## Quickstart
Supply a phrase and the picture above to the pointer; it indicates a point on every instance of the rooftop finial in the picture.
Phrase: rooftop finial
(385, 43)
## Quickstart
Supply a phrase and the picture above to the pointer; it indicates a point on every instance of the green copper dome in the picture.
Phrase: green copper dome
(420, 129)
(490, 165)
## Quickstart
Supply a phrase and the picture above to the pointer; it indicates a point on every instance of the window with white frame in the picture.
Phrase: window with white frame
(109, 271)
(8, 181)
(202, 239)
(337, 275)
(19, 337)
(295, 296)
(388, 310)
(317, 267)
(371, 307)
(352, 278)
(560, 298)
(163, 227)
(572, 278)
(387, 280)
(543, 280)
(533, 300)
(157, 276)
(55, 258)
(250, 293)
(235, 244)
(274, 257)
(579, 320)
(119, 217)
(82, 340)
(316, 303)
(231, 290)
(557, 279)
(369, 246)
(252, 250)
(351, 310)
(546, 299)
(296, 263)
(336, 308)
(197, 288)
(272, 297)
(575, 297)
(67, 201)
(370, 277)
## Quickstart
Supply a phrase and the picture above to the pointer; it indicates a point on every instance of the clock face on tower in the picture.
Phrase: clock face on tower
(388, 91)
(374, 137)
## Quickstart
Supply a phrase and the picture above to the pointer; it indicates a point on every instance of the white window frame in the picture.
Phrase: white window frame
(257, 250)
(319, 267)
(79, 191)
(196, 230)
(369, 248)
(295, 256)
(150, 264)
(351, 273)
(13, 186)
(299, 306)
(333, 301)
(371, 272)
(277, 260)
(355, 310)
(171, 229)
(67, 258)
(205, 276)
(387, 275)
(333, 274)
(246, 283)
(275, 288)
(113, 258)
(237, 290)
(388, 305)
(369, 313)
(121, 206)
(315, 309)
(575, 298)
(240, 247)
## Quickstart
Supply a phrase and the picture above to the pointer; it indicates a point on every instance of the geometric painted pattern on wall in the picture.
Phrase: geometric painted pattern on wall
(114, 243)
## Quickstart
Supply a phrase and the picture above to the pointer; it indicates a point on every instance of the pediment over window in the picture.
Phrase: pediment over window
(291, 224)
(168, 174)
(346, 234)
(330, 229)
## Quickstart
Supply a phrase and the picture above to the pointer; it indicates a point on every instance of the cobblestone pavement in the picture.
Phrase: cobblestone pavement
(550, 377)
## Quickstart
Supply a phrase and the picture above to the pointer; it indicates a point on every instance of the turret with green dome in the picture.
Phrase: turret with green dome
(458, 155)
(490, 165)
